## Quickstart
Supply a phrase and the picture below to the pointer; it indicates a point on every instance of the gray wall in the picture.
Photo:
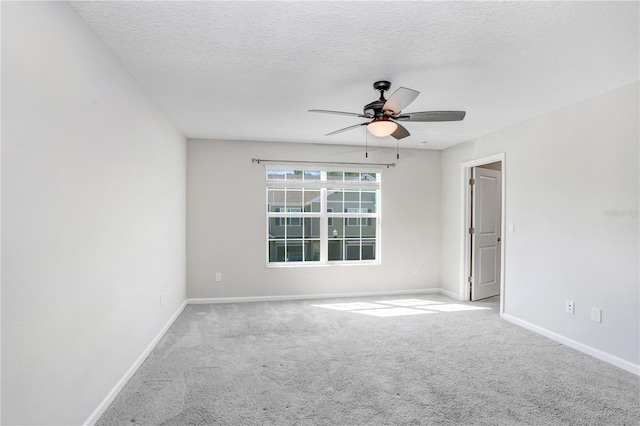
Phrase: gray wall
(226, 224)
(93, 217)
(566, 172)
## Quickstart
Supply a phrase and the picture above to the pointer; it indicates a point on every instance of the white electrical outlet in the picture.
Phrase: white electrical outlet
(161, 298)
(511, 227)
(570, 307)
(596, 314)
(414, 270)
(218, 277)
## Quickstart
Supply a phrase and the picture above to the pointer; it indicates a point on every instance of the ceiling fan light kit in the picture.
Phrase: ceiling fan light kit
(384, 114)
(382, 128)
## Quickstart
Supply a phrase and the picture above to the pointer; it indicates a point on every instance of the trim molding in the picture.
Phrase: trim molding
(596, 353)
(451, 294)
(93, 418)
(465, 217)
(202, 301)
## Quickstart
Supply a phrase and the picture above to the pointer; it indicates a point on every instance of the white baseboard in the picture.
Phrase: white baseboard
(93, 418)
(596, 353)
(450, 294)
(199, 301)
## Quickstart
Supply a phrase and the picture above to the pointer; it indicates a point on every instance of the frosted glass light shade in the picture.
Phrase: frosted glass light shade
(382, 128)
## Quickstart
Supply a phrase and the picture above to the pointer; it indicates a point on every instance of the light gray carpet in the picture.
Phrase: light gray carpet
(293, 363)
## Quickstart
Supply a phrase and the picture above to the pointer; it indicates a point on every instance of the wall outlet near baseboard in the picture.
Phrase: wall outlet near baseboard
(570, 307)
(596, 314)
(218, 277)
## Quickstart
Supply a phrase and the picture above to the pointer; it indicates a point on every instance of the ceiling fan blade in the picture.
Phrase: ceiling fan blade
(353, 114)
(346, 128)
(400, 99)
(400, 132)
(432, 116)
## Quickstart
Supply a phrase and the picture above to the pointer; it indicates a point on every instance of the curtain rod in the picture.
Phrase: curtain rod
(259, 160)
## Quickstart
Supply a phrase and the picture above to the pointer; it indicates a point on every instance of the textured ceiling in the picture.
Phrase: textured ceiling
(251, 70)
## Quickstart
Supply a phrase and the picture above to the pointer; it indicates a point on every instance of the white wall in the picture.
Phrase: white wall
(93, 217)
(564, 171)
(226, 223)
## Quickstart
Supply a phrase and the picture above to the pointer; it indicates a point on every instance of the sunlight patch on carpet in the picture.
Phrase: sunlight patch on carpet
(400, 307)
(409, 302)
(393, 312)
(452, 307)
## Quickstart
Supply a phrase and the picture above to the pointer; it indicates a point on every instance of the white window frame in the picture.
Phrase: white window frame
(326, 215)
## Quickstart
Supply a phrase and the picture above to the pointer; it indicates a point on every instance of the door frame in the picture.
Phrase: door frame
(465, 220)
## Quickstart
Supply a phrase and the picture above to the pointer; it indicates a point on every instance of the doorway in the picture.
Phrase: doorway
(482, 256)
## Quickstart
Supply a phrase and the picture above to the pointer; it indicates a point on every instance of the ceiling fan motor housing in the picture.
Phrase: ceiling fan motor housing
(375, 108)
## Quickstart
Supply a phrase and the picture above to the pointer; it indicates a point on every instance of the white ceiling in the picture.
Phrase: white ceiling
(251, 70)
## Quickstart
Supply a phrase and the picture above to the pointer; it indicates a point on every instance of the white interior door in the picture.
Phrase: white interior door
(485, 239)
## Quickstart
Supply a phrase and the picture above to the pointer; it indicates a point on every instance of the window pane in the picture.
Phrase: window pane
(335, 249)
(368, 201)
(335, 176)
(368, 228)
(294, 199)
(368, 177)
(353, 250)
(311, 175)
(294, 174)
(312, 250)
(275, 174)
(294, 251)
(352, 176)
(294, 227)
(336, 228)
(276, 251)
(352, 230)
(335, 200)
(276, 227)
(351, 200)
(312, 200)
(275, 199)
(311, 227)
(368, 249)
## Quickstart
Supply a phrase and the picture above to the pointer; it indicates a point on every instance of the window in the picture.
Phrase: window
(322, 216)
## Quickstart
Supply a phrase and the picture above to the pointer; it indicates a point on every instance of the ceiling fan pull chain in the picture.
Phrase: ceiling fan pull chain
(366, 144)
(397, 149)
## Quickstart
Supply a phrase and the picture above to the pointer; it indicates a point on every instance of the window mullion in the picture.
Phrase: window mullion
(324, 224)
